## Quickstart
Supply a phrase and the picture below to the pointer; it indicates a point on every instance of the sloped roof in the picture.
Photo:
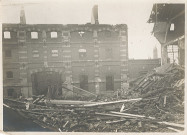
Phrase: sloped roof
(165, 12)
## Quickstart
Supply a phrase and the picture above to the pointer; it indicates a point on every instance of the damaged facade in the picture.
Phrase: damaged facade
(39, 57)
(169, 21)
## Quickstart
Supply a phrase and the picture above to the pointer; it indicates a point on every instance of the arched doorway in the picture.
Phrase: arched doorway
(47, 83)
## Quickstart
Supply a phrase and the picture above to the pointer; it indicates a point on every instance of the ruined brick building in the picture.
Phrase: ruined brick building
(91, 56)
(169, 30)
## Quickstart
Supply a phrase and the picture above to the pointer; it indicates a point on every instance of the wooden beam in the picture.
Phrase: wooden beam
(115, 115)
(113, 102)
(132, 115)
(181, 13)
(70, 102)
(172, 41)
(176, 130)
(171, 124)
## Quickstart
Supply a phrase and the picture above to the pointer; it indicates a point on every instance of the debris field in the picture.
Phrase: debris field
(153, 103)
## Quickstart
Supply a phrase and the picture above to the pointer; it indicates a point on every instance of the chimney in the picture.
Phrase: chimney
(94, 16)
(22, 16)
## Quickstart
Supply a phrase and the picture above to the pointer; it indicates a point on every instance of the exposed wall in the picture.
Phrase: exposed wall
(72, 50)
(142, 66)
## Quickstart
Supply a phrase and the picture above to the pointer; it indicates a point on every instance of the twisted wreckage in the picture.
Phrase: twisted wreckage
(154, 103)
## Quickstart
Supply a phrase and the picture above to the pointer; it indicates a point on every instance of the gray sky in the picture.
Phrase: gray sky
(134, 14)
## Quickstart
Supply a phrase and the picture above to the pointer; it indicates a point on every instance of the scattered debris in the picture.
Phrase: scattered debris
(158, 107)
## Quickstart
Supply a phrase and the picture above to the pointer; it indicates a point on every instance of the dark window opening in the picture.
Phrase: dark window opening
(10, 92)
(109, 82)
(84, 82)
(9, 74)
(8, 53)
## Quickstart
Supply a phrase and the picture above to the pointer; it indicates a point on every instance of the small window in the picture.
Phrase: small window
(82, 53)
(172, 27)
(7, 35)
(35, 53)
(53, 34)
(108, 53)
(34, 35)
(54, 53)
(10, 92)
(8, 53)
(9, 74)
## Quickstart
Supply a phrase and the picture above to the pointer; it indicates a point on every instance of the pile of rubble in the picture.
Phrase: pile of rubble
(166, 85)
(159, 107)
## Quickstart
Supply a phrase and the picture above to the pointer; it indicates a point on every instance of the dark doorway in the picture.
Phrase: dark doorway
(10, 92)
(47, 83)
(109, 82)
(84, 82)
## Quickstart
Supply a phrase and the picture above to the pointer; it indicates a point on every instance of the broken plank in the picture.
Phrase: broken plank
(176, 130)
(171, 124)
(113, 102)
(70, 102)
(132, 115)
(115, 115)
(116, 121)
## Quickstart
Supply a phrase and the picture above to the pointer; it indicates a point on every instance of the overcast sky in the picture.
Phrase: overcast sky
(134, 14)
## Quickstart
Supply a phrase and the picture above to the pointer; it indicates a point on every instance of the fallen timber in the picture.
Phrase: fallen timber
(159, 107)
(114, 102)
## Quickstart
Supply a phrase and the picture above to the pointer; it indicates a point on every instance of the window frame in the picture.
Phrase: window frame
(33, 37)
(9, 35)
(52, 36)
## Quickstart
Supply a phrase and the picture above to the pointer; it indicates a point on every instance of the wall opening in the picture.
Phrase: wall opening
(7, 35)
(47, 83)
(173, 53)
(34, 35)
(84, 82)
(172, 27)
(54, 35)
(10, 92)
(109, 82)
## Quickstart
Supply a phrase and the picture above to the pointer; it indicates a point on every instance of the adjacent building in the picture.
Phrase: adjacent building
(169, 22)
